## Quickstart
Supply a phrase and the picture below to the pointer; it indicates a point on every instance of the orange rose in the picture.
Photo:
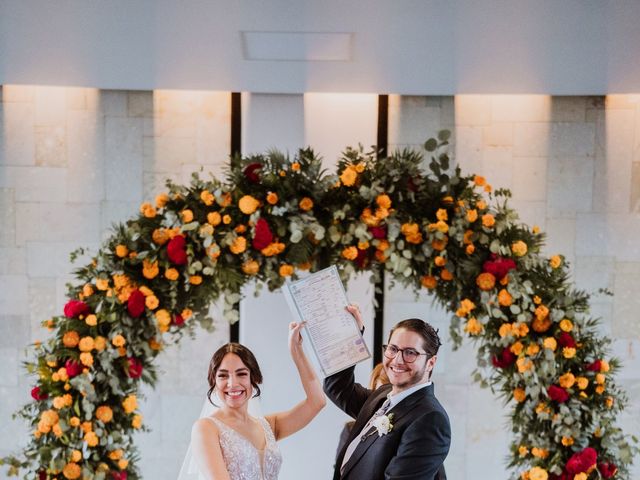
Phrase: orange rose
(214, 218)
(383, 201)
(162, 200)
(248, 204)
(70, 339)
(306, 204)
(285, 270)
(486, 281)
(350, 253)
(488, 220)
(104, 413)
(429, 282)
(272, 198)
(348, 176)
(239, 245)
(250, 267)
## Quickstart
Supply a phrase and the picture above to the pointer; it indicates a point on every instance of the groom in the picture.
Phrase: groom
(401, 430)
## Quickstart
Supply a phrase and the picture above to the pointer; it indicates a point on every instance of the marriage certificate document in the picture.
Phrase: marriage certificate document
(320, 300)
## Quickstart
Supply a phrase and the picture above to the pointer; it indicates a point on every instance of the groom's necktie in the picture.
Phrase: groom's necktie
(361, 436)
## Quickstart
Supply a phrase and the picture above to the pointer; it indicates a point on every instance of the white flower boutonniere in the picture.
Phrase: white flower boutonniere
(383, 424)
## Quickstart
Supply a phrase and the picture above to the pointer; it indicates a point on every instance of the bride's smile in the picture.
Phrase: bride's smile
(233, 381)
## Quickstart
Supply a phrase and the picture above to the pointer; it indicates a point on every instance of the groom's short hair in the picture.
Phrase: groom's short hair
(431, 341)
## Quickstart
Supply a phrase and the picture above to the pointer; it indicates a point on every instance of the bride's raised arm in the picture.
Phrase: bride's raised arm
(286, 423)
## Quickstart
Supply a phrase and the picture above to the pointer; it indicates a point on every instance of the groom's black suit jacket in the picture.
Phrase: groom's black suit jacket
(415, 447)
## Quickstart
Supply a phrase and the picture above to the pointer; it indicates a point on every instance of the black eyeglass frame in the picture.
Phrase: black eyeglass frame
(401, 351)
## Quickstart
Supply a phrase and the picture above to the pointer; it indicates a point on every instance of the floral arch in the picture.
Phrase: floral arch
(433, 228)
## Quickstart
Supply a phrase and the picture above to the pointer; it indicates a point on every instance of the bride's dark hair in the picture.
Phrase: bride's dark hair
(247, 358)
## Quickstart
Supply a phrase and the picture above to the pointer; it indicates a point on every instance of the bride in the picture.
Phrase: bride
(231, 444)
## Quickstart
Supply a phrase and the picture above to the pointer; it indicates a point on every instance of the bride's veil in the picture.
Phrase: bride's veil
(189, 469)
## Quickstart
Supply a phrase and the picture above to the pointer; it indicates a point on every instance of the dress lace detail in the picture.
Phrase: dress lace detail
(244, 461)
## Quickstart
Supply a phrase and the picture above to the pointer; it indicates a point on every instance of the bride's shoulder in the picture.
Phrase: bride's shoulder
(204, 425)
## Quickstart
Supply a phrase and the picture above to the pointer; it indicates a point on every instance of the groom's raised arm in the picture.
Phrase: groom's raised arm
(345, 393)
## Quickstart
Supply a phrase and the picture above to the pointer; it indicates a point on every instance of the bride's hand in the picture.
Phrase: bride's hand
(295, 338)
(354, 310)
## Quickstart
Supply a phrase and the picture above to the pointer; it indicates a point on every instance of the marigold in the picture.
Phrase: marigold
(505, 329)
(479, 180)
(472, 215)
(74, 422)
(486, 281)
(383, 201)
(567, 380)
(272, 249)
(473, 327)
(91, 439)
(160, 236)
(118, 341)
(488, 220)
(136, 421)
(285, 270)
(439, 245)
(350, 253)
(306, 204)
(195, 279)
(130, 403)
(91, 320)
(71, 471)
(150, 269)
(504, 298)
(555, 261)
(541, 311)
(466, 306)
(349, 176)
(609, 402)
(566, 325)
(568, 352)
(363, 245)
(533, 349)
(214, 218)
(567, 441)
(248, 204)
(446, 275)
(481, 205)
(239, 245)
(151, 302)
(162, 200)
(523, 451)
(582, 382)
(360, 167)
(148, 210)
(519, 248)
(539, 452)
(70, 339)
(519, 395)
(604, 366)
(541, 324)
(429, 281)
(524, 364)
(86, 344)
(116, 454)
(123, 463)
(224, 200)
(226, 219)
(250, 267)
(517, 348)
(122, 251)
(538, 473)
(104, 413)
(550, 343)
(76, 456)
(163, 318)
(207, 197)
(470, 249)
(272, 198)
(87, 290)
(86, 359)
(440, 261)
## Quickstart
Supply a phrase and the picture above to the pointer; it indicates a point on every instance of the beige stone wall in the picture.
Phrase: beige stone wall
(572, 164)
(72, 162)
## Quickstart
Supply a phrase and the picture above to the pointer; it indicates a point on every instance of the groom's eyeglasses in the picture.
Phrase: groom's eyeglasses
(409, 355)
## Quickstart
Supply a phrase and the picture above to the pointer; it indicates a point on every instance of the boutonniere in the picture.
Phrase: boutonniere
(383, 424)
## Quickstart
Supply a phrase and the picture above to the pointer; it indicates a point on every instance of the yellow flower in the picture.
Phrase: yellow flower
(187, 216)
(118, 341)
(70, 339)
(250, 267)
(76, 456)
(555, 261)
(567, 441)
(488, 220)
(163, 318)
(583, 382)
(535, 229)
(239, 245)
(87, 290)
(161, 200)
(466, 306)
(523, 451)
(538, 473)
(62, 401)
(86, 344)
(481, 205)
(568, 352)
(214, 218)
(91, 320)
(74, 422)
(91, 438)
(116, 454)
(348, 176)
(306, 204)
(130, 403)
(519, 395)
(149, 269)
(486, 281)
(441, 215)
(524, 364)
(604, 366)
(517, 348)
(295, 166)
(539, 452)
(207, 197)
(186, 314)
(479, 180)
(226, 219)
(160, 236)
(171, 274)
(567, 380)
(440, 261)
(581, 476)
(383, 201)
(600, 378)
(71, 471)
(363, 245)
(350, 253)
(248, 204)
(285, 270)
(151, 302)
(86, 359)
(360, 167)
(566, 325)
(519, 248)
(147, 210)
(504, 298)
(470, 249)
(122, 251)
(505, 329)
(550, 343)
(104, 413)
(609, 402)
(136, 421)
(472, 215)
(122, 463)
(272, 198)
(195, 279)
(532, 349)
(473, 327)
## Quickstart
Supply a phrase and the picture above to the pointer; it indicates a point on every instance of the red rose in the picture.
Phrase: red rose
(607, 469)
(263, 236)
(178, 320)
(582, 461)
(36, 395)
(505, 359)
(135, 367)
(42, 475)
(595, 366)
(566, 340)
(75, 308)
(176, 250)
(121, 475)
(73, 368)
(135, 304)
(498, 266)
(411, 185)
(557, 394)
(362, 259)
(379, 232)
(251, 172)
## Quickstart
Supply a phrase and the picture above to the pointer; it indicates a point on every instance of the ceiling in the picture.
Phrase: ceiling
(562, 47)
